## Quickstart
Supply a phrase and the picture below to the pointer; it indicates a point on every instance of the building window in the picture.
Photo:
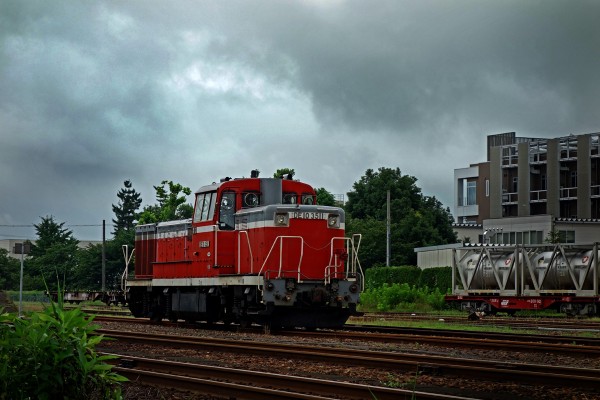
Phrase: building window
(573, 178)
(536, 237)
(568, 148)
(471, 193)
(566, 236)
(487, 188)
(515, 184)
(543, 182)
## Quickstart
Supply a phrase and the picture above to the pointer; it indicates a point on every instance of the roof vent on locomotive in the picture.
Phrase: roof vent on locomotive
(257, 250)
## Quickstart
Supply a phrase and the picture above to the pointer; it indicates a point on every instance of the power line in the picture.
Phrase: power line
(32, 225)
(17, 226)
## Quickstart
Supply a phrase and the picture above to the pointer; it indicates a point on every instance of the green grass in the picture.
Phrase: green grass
(469, 327)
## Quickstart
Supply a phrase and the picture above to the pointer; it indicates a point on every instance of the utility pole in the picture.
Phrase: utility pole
(22, 249)
(103, 255)
(388, 232)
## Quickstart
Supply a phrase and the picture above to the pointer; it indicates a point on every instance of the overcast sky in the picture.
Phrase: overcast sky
(94, 93)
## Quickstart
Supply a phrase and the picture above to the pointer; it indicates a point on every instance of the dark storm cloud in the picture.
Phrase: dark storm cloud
(399, 66)
(93, 93)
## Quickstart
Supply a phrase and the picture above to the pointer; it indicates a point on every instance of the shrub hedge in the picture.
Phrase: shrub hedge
(405, 288)
(434, 278)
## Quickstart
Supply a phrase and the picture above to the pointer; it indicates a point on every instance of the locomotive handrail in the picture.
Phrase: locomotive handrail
(357, 237)
(334, 257)
(280, 239)
(240, 252)
(127, 258)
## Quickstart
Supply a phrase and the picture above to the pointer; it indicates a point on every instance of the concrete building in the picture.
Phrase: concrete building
(529, 187)
(527, 190)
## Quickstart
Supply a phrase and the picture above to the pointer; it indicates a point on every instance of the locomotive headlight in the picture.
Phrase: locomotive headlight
(281, 219)
(333, 221)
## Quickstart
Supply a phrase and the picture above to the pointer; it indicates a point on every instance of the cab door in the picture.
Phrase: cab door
(226, 237)
(204, 235)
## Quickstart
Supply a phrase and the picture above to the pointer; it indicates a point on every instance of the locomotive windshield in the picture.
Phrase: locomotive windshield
(205, 206)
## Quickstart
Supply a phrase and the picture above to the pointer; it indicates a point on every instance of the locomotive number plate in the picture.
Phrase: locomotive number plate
(308, 215)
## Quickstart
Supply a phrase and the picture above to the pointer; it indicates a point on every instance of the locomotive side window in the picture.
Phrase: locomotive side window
(308, 199)
(290, 198)
(250, 199)
(205, 207)
(227, 211)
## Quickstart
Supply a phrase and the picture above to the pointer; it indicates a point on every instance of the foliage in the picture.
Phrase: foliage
(324, 197)
(385, 276)
(402, 297)
(438, 278)
(36, 296)
(405, 288)
(126, 209)
(9, 271)
(284, 173)
(53, 254)
(88, 274)
(171, 204)
(553, 237)
(416, 220)
(51, 355)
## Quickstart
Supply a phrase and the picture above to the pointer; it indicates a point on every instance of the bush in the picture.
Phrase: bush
(35, 296)
(52, 355)
(402, 297)
(439, 278)
(378, 276)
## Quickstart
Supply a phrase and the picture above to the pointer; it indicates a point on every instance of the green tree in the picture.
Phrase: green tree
(171, 204)
(126, 209)
(9, 271)
(325, 198)
(284, 173)
(53, 255)
(553, 237)
(88, 272)
(416, 220)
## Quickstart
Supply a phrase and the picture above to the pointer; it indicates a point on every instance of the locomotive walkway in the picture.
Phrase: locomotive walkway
(425, 364)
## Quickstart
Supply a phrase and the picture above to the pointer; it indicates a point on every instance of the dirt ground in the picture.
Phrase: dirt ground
(6, 304)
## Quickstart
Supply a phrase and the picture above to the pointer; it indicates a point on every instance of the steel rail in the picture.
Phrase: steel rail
(516, 322)
(474, 334)
(427, 364)
(569, 346)
(445, 337)
(215, 380)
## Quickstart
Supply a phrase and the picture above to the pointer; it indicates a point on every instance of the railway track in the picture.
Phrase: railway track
(246, 384)
(513, 322)
(391, 361)
(441, 337)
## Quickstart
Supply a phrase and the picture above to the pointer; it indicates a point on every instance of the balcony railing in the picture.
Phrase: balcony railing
(510, 198)
(538, 196)
(510, 161)
(568, 193)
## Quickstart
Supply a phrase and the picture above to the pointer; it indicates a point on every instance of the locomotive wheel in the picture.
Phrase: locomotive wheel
(245, 323)
(156, 318)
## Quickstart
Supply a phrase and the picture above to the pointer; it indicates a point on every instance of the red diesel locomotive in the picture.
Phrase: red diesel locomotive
(257, 250)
